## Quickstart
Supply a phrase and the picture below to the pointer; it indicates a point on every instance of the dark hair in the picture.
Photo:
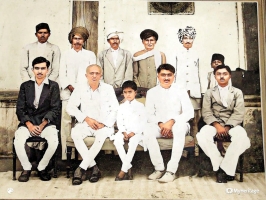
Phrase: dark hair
(148, 33)
(40, 60)
(129, 84)
(166, 67)
(222, 67)
(42, 26)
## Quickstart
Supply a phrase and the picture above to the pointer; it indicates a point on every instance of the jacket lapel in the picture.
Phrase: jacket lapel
(31, 92)
(230, 96)
(120, 58)
(216, 95)
(44, 94)
(110, 58)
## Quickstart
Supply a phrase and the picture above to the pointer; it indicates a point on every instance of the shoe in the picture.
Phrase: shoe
(167, 177)
(44, 176)
(221, 176)
(156, 175)
(77, 178)
(25, 175)
(96, 174)
(230, 178)
(130, 175)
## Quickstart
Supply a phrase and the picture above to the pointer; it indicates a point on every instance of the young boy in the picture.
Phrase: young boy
(131, 119)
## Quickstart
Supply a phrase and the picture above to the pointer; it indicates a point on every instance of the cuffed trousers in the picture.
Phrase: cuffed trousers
(126, 158)
(81, 131)
(240, 142)
(22, 134)
(152, 131)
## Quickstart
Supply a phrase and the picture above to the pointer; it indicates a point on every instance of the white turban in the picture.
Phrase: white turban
(188, 31)
(113, 32)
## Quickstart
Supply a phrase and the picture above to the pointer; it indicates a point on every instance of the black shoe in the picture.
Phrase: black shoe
(125, 177)
(25, 175)
(96, 174)
(130, 175)
(230, 178)
(44, 175)
(221, 176)
(77, 179)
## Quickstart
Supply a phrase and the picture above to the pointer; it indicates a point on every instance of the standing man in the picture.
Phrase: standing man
(96, 118)
(40, 48)
(223, 112)
(187, 73)
(38, 108)
(115, 62)
(73, 66)
(168, 111)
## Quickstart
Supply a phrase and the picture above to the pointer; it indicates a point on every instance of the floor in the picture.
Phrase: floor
(185, 187)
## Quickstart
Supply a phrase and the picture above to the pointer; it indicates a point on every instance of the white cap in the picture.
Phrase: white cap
(113, 32)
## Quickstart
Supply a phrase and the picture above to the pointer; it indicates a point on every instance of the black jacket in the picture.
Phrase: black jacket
(49, 104)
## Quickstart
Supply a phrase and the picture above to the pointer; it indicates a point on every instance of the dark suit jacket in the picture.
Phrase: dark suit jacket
(49, 104)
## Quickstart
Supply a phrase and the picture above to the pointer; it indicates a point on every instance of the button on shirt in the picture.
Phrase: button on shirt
(223, 91)
(38, 91)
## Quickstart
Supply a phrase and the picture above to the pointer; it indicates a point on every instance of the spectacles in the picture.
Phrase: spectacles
(40, 68)
(166, 75)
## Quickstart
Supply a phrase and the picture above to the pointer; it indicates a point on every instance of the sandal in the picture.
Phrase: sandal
(77, 179)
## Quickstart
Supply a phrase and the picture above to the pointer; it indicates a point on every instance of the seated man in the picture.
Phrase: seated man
(223, 112)
(96, 117)
(38, 108)
(168, 111)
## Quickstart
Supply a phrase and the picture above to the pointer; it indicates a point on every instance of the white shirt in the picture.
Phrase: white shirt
(38, 90)
(114, 55)
(223, 91)
(100, 104)
(73, 69)
(41, 48)
(131, 117)
(163, 104)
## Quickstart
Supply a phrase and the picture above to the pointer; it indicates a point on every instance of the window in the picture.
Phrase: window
(171, 8)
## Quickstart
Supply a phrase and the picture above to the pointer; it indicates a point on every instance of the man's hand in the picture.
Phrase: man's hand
(92, 123)
(222, 132)
(130, 135)
(34, 130)
(166, 128)
(100, 125)
(71, 88)
(125, 136)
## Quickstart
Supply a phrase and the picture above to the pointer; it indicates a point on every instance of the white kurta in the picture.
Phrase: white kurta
(131, 117)
(163, 105)
(101, 105)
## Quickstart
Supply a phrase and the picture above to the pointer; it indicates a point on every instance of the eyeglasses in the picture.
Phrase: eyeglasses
(40, 68)
(166, 75)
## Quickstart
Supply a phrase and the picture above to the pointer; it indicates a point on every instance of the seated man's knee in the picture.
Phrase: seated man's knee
(21, 135)
(206, 131)
(75, 133)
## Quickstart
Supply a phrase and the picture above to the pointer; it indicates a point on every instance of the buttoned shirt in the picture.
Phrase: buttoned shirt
(131, 117)
(163, 104)
(223, 91)
(38, 90)
(114, 55)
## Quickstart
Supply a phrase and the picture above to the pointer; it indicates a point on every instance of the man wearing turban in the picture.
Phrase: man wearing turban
(187, 72)
(73, 66)
(40, 48)
(115, 61)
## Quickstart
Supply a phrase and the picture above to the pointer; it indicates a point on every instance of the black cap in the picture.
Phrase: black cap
(42, 26)
(217, 56)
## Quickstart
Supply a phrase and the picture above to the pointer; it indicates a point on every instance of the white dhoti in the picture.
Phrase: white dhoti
(152, 132)
(81, 131)
(22, 134)
(240, 142)
(126, 158)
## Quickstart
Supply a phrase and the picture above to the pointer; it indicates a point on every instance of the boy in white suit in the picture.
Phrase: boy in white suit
(131, 119)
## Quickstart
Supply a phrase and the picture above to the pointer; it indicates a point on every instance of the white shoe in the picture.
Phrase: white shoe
(155, 175)
(167, 177)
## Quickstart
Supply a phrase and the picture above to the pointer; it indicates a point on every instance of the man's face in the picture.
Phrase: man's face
(166, 78)
(77, 42)
(114, 42)
(129, 94)
(187, 41)
(93, 74)
(40, 70)
(222, 76)
(42, 35)
(149, 43)
(215, 63)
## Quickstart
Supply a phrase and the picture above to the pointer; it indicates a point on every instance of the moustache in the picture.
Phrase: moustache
(166, 79)
(39, 74)
(221, 79)
(188, 43)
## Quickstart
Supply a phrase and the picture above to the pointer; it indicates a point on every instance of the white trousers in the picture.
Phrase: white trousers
(81, 131)
(152, 131)
(126, 158)
(65, 128)
(22, 134)
(240, 142)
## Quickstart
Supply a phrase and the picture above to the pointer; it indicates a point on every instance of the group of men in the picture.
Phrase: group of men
(87, 92)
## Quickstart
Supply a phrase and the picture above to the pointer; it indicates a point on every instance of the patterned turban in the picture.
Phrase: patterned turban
(82, 31)
(188, 31)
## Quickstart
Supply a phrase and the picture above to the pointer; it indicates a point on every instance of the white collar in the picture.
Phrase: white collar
(42, 44)
(113, 50)
(223, 88)
(45, 81)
